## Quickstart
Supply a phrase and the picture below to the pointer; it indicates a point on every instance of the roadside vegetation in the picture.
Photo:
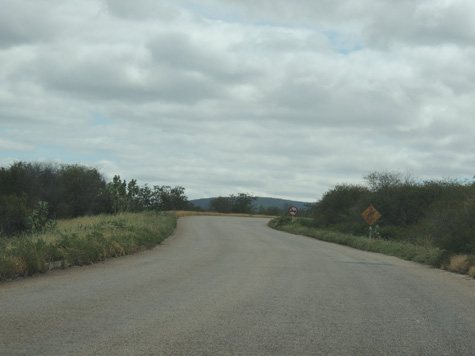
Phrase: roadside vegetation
(63, 215)
(431, 222)
(70, 191)
(54, 216)
(82, 241)
(244, 203)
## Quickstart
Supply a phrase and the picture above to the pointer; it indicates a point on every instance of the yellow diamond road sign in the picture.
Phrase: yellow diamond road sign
(371, 215)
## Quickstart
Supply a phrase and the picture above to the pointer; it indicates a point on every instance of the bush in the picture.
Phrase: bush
(13, 214)
(281, 221)
(38, 221)
(452, 226)
(336, 205)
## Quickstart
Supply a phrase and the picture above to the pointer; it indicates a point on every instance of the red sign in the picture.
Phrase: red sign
(293, 211)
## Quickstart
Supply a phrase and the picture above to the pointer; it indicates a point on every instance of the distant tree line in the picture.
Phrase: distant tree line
(68, 191)
(242, 203)
(441, 213)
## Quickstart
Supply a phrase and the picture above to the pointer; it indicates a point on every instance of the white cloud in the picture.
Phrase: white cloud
(270, 97)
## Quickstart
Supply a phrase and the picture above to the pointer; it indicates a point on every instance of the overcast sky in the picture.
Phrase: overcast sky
(274, 98)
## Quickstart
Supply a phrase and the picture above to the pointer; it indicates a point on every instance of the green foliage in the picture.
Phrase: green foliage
(33, 253)
(281, 221)
(171, 198)
(432, 213)
(404, 250)
(221, 205)
(16, 180)
(104, 237)
(337, 205)
(400, 200)
(38, 220)
(80, 191)
(117, 193)
(452, 225)
(242, 203)
(129, 197)
(72, 191)
(270, 210)
(13, 214)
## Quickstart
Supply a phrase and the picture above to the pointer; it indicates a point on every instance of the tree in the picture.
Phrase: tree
(117, 193)
(171, 198)
(242, 203)
(149, 199)
(270, 210)
(221, 205)
(380, 180)
(13, 214)
(337, 206)
(400, 200)
(80, 190)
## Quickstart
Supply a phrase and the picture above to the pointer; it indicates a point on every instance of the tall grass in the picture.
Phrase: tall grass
(83, 241)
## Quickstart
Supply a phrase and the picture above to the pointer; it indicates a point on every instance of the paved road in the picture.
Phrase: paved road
(233, 286)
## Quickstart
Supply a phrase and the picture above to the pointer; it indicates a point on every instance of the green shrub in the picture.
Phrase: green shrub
(452, 226)
(13, 214)
(33, 254)
(38, 220)
(281, 221)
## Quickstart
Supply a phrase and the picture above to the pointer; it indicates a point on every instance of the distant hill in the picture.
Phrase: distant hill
(265, 202)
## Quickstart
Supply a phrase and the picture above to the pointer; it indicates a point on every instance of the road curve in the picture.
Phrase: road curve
(233, 286)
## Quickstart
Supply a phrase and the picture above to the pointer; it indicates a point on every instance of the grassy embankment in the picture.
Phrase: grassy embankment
(83, 241)
(425, 254)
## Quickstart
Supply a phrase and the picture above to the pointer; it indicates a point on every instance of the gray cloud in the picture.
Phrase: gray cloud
(271, 97)
(20, 23)
(145, 10)
(423, 23)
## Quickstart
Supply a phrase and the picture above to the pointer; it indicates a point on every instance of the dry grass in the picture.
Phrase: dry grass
(471, 272)
(83, 241)
(81, 221)
(459, 264)
(80, 226)
(190, 213)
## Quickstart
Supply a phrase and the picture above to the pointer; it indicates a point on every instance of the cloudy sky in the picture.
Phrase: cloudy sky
(269, 97)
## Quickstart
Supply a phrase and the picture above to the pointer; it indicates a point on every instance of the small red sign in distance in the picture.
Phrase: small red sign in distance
(293, 211)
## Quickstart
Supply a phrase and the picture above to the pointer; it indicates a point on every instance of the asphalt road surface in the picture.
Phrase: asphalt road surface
(233, 286)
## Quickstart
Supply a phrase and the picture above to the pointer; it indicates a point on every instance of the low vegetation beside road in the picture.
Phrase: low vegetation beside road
(426, 254)
(83, 241)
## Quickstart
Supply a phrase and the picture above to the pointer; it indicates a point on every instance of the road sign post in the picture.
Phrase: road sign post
(370, 215)
(293, 211)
